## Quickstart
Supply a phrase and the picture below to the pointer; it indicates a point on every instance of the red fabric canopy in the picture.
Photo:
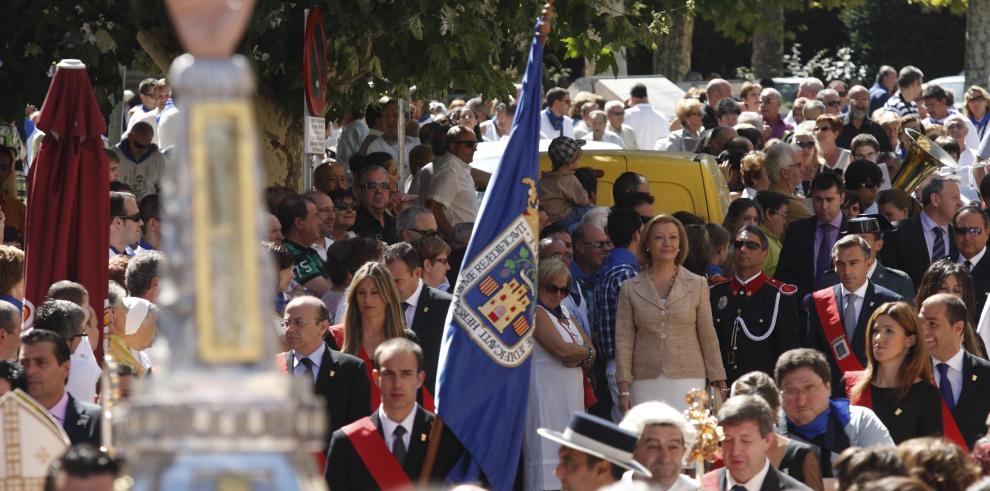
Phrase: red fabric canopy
(68, 211)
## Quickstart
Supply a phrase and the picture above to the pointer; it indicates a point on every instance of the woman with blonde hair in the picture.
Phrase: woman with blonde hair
(896, 384)
(690, 113)
(975, 108)
(665, 342)
(827, 129)
(373, 316)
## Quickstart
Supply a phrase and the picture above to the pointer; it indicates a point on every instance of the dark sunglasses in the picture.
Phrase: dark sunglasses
(968, 230)
(373, 185)
(868, 185)
(599, 244)
(427, 233)
(748, 244)
(346, 206)
(563, 290)
(806, 144)
(467, 143)
(135, 217)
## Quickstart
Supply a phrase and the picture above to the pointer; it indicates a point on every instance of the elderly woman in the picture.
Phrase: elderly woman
(795, 458)
(690, 113)
(811, 416)
(896, 383)
(827, 128)
(556, 388)
(435, 253)
(807, 154)
(372, 316)
(664, 437)
(665, 342)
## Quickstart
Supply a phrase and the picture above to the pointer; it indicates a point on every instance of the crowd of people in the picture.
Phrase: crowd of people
(837, 321)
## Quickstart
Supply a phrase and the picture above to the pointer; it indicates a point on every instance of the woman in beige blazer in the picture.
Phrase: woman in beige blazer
(665, 342)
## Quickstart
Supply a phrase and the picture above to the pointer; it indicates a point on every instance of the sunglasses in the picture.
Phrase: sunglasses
(968, 230)
(427, 233)
(748, 244)
(135, 217)
(597, 244)
(868, 185)
(772, 212)
(563, 290)
(373, 185)
(346, 206)
(805, 144)
(467, 143)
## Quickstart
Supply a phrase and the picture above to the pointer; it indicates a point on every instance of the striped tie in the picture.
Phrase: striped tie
(938, 247)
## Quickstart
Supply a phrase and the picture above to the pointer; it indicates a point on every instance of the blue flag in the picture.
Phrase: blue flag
(483, 378)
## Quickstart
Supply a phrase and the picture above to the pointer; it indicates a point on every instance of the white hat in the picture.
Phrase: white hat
(137, 310)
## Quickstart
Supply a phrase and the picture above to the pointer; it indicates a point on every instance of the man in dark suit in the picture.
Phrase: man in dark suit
(425, 308)
(748, 424)
(805, 254)
(971, 228)
(341, 379)
(962, 378)
(395, 438)
(837, 316)
(45, 357)
(921, 240)
(871, 228)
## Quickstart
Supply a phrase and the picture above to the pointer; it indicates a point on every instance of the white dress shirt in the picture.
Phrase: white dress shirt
(973, 261)
(85, 373)
(857, 301)
(753, 484)
(648, 124)
(955, 373)
(926, 226)
(351, 136)
(316, 357)
(547, 131)
(413, 302)
(389, 426)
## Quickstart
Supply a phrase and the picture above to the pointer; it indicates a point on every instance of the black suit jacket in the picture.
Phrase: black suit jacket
(815, 338)
(83, 422)
(974, 399)
(894, 280)
(797, 255)
(428, 324)
(343, 383)
(775, 481)
(346, 471)
(981, 281)
(905, 248)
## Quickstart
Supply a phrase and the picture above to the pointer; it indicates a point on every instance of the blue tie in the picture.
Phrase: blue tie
(738, 487)
(824, 252)
(938, 247)
(944, 386)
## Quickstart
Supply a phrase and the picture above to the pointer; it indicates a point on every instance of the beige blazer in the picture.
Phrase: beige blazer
(681, 344)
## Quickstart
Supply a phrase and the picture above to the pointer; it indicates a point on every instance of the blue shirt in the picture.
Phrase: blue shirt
(878, 97)
(619, 266)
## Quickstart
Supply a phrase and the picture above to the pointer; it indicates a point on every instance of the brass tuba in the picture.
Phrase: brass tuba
(923, 158)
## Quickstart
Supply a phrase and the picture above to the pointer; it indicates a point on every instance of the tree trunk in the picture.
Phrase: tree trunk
(281, 143)
(768, 44)
(977, 44)
(672, 58)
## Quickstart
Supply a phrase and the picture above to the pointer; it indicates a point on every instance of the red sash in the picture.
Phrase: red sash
(835, 335)
(381, 464)
(950, 430)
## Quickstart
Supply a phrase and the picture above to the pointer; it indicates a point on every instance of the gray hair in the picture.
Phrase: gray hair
(850, 241)
(614, 104)
(751, 118)
(778, 157)
(770, 91)
(115, 294)
(811, 83)
(656, 413)
(825, 92)
(813, 105)
(9, 317)
(934, 186)
(598, 114)
(596, 216)
(141, 270)
(408, 216)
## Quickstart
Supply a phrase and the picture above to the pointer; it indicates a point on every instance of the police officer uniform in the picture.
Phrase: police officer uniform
(756, 320)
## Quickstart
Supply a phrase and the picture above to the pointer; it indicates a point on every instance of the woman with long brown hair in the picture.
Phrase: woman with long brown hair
(896, 381)
(948, 276)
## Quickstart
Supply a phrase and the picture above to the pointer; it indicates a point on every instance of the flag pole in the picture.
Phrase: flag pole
(436, 432)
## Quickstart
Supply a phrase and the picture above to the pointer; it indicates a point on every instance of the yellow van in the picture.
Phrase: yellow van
(678, 181)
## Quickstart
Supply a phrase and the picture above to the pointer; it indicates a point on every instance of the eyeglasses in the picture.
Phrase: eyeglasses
(298, 322)
(346, 206)
(597, 244)
(968, 230)
(563, 290)
(805, 144)
(977, 99)
(427, 233)
(776, 212)
(868, 185)
(135, 217)
(748, 244)
(792, 393)
(373, 185)
(467, 143)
